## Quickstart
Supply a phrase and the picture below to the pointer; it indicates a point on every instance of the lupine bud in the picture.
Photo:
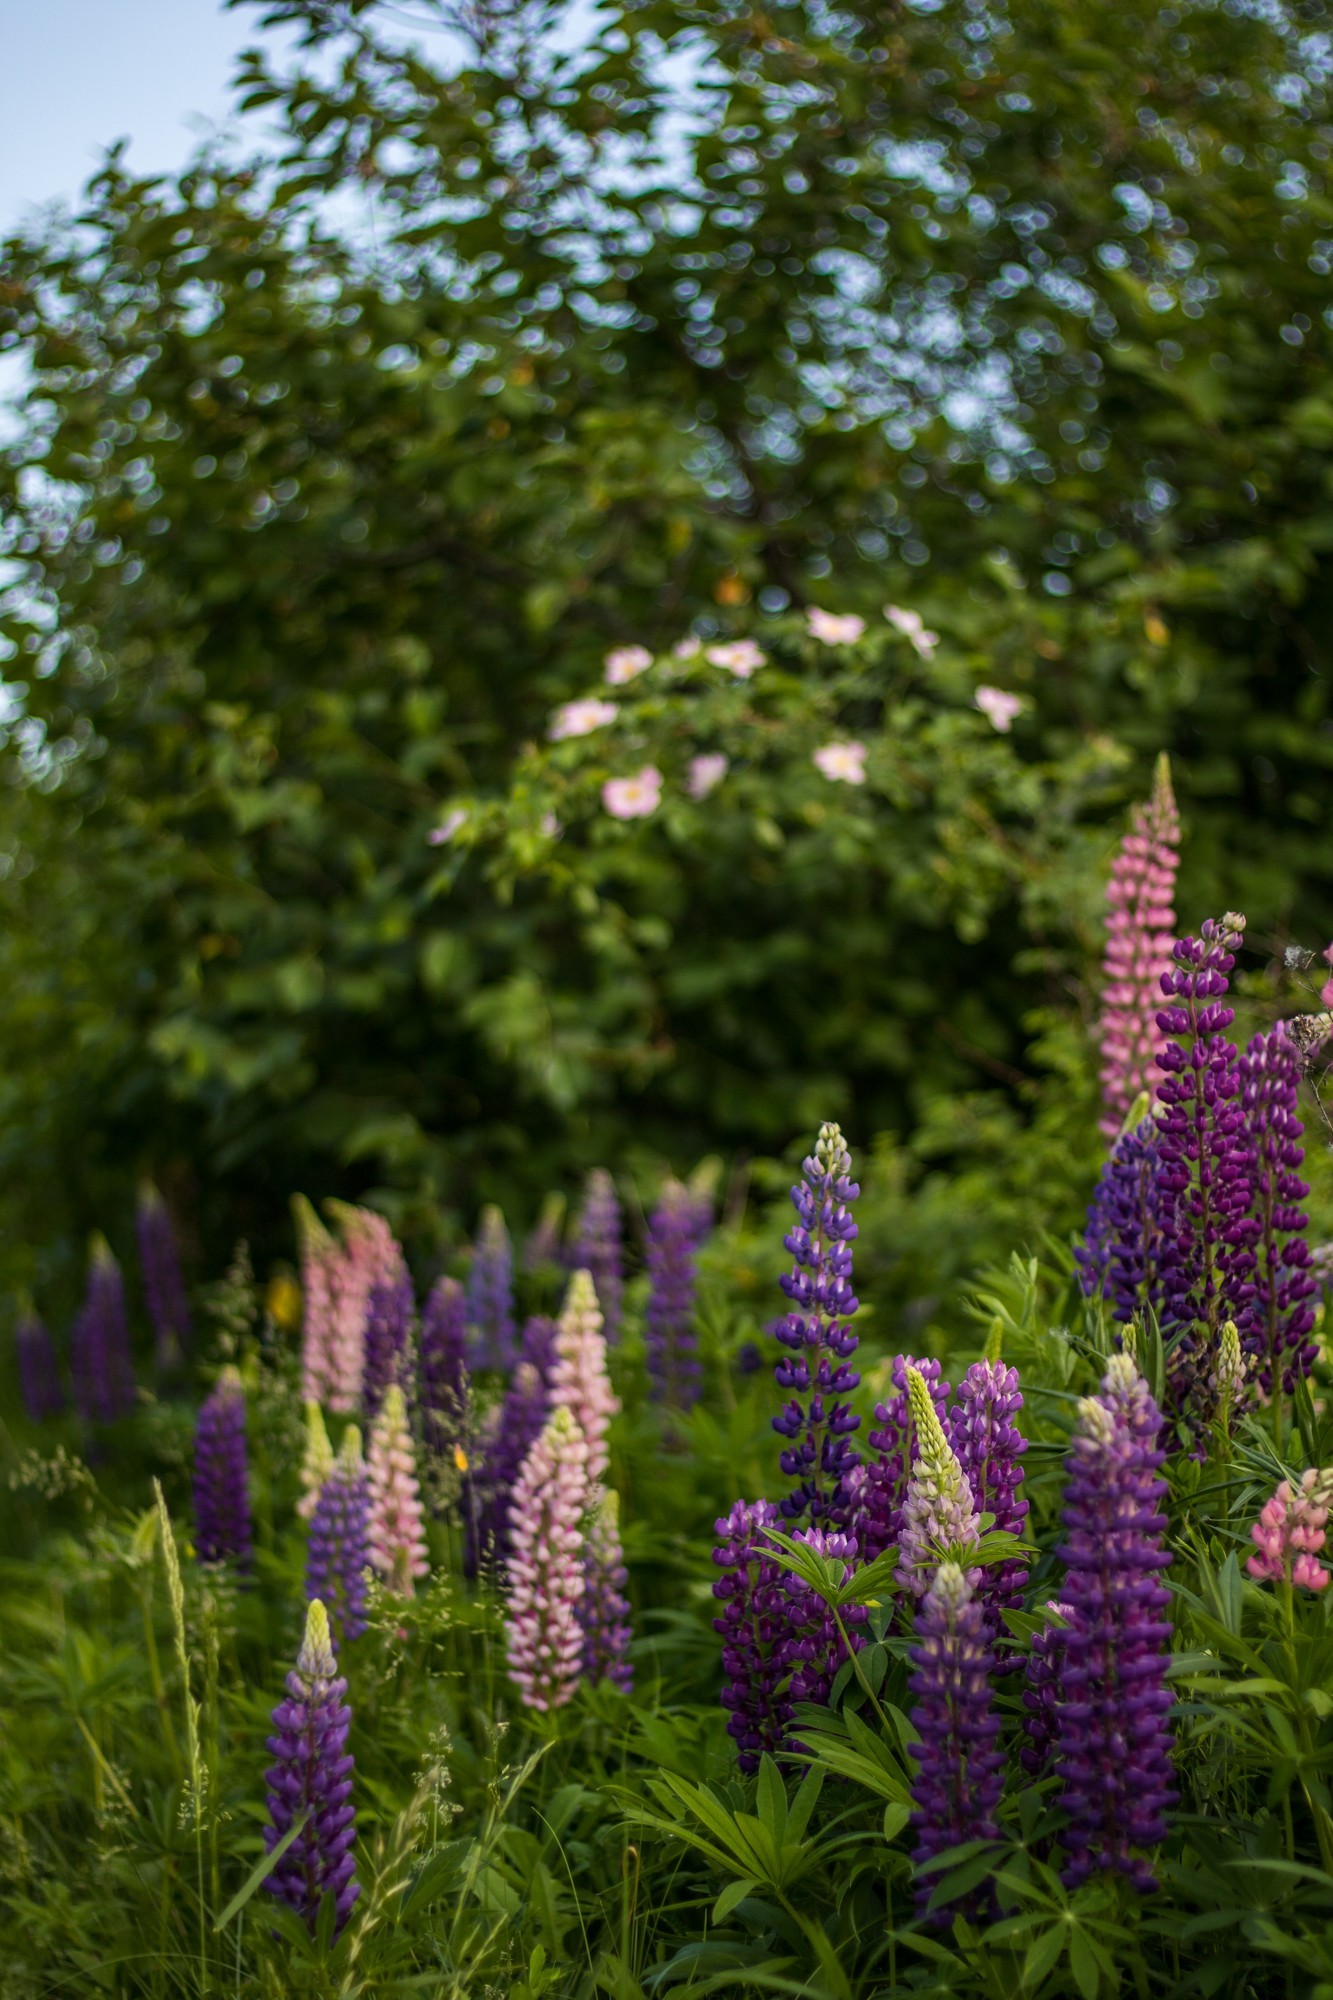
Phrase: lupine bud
(388, 1338)
(490, 1294)
(521, 1421)
(1132, 1222)
(579, 1381)
(311, 1779)
(100, 1343)
(339, 1552)
(221, 1479)
(989, 1448)
(1291, 1531)
(1276, 1320)
(1139, 926)
(939, 1514)
(1227, 1383)
(603, 1609)
(316, 1460)
(674, 1232)
(878, 1487)
(1112, 1722)
(960, 1771)
(444, 1387)
(754, 1625)
(598, 1247)
(39, 1377)
(546, 1582)
(164, 1287)
(819, 1336)
(397, 1528)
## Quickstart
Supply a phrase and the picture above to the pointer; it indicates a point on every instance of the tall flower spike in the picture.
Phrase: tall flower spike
(397, 1528)
(1112, 1723)
(939, 1514)
(339, 1552)
(673, 1239)
(39, 1377)
(878, 1486)
(579, 1381)
(598, 1247)
(1276, 1321)
(390, 1307)
(989, 1447)
(444, 1382)
(814, 1649)
(319, 1258)
(100, 1343)
(163, 1284)
(522, 1418)
(316, 1460)
(1140, 922)
(490, 1293)
(1291, 1531)
(1041, 1693)
(1131, 1222)
(818, 1334)
(960, 1771)
(754, 1626)
(311, 1779)
(545, 1644)
(369, 1257)
(221, 1475)
(603, 1609)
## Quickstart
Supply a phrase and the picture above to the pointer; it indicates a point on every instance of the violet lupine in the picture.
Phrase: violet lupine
(603, 1609)
(1139, 925)
(490, 1293)
(390, 1307)
(1114, 1738)
(542, 1634)
(814, 1650)
(39, 1376)
(579, 1381)
(877, 1488)
(316, 1460)
(754, 1625)
(960, 1769)
(989, 1447)
(443, 1385)
(221, 1475)
(100, 1343)
(669, 1256)
(339, 1552)
(1275, 1322)
(1041, 1692)
(598, 1247)
(397, 1526)
(939, 1514)
(818, 1333)
(1290, 1532)
(310, 1779)
(522, 1418)
(163, 1284)
(1131, 1223)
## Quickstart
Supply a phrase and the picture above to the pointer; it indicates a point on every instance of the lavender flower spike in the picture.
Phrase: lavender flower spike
(221, 1475)
(940, 1515)
(816, 1330)
(1113, 1736)
(311, 1778)
(339, 1553)
(490, 1293)
(390, 1308)
(673, 1233)
(603, 1609)
(100, 1343)
(522, 1418)
(598, 1249)
(989, 1447)
(960, 1771)
(546, 1566)
(443, 1358)
(1132, 1224)
(164, 1287)
(1277, 1320)
(753, 1624)
(39, 1378)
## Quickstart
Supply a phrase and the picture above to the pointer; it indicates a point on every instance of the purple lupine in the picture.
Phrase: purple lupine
(817, 1331)
(39, 1376)
(1041, 1693)
(1114, 1739)
(603, 1609)
(754, 1626)
(989, 1447)
(1276, 1321)
(878, 1486)
(669, 1255)
(1131, 1220)
(813, 1651)
(522, 1418)
(960, 1770)
(443, 1384)
(100, 1343)
(163, 1284)
(389, 1312)
(311, 1778)
(221, 1475)
(339, 1552)
(490, 1293)
(598, 1248)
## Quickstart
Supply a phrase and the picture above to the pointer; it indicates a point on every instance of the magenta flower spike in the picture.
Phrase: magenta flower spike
(579, 1381)
(603, 1609)
(221, 1475)
(311, 1779)
(397, 1529)
(1140, 924)
(546, 1575)
(960, 1770)
(1291, 1531)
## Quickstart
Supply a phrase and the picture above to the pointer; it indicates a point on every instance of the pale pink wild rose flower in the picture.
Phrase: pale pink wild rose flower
(636, 797)
(833, 628)
(913, 628)
(999, 707)
(706, 774)
(739, 656)
(626, 663)
(843, 763)
(580, 718)
(453, 822)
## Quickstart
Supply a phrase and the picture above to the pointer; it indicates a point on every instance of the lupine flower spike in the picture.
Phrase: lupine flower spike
(316, 1460)
(1291, 1531)
(754, 1627)
(1228, 1383)
(370, 1257)
(311, 1779)
(1114, 1741)
(546, 1582)
(221, 1475)
(1132, 1223)
(817, 1332)
(960, 1771)
(339, 1553)
(164, 1287)
(940, 1514)
(522, 1418)
(579, 1381)
(597, 1248)
(1041, 1692)
(490, 1294)
(989, 1448)
(603, 1609)
(877, 1488)
(673, 1236)
(397, 1528)
(444, 1387)
(319, 1259)
(100, 1343)
(39, 1377)
(1277, 1319)
(1139, 926)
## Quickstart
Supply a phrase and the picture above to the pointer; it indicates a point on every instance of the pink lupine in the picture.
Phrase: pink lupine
(397, 1525)
(579, 1381)
(319, 1256)
(1290, 1532)
(369, 1256)
(546, 1579)
(1140, 927)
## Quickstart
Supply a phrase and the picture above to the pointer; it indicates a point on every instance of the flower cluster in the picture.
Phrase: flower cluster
(1140, 926)
(546, 1575)
(1291, 1531)
(221, 1475)
(754, 1628)
(818, 1336)
(310, 1780)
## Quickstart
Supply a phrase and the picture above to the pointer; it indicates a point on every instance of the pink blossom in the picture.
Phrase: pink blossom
(636, 797)
(580, 718)
(842, 763)
(1140, 927)
(579, 1381)
(706, 774)
(319, 1254)
(688, 648)
(1326, 990)
(626, 663)
(739, 656)
(396, 1526)
(368, 1256)
(545, 1570)
(912, 627)
(999, 707)
(453, 822)
(1290, 1532)
(834, 628)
